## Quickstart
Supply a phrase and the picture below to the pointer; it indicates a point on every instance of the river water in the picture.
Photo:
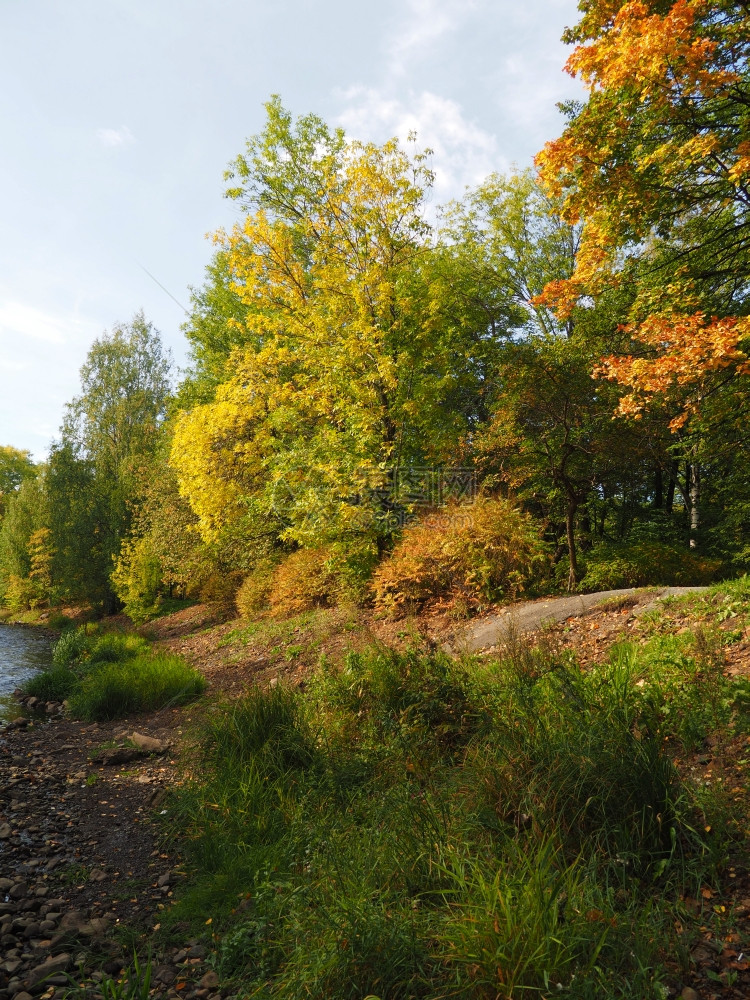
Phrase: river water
(23, 651)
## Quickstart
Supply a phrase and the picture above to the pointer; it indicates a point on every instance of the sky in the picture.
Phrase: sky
(119, 118)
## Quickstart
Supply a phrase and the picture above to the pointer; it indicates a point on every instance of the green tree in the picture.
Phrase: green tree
(549, 433)
(109, 430)
(16, 465)
(27, 512)
(507, 243)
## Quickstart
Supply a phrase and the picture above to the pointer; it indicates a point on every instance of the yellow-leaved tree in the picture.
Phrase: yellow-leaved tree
(349, 349)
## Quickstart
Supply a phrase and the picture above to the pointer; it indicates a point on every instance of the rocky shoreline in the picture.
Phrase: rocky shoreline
(83, 874)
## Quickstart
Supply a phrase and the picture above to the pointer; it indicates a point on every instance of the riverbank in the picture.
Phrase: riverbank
(84, 873)
(90, 846)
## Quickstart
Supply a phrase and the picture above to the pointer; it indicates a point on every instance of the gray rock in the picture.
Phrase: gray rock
(165, 974)
(72, 920)
(55, 963)
(117, 755)
(147, 743)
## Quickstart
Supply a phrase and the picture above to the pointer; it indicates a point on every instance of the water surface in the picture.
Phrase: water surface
(23, 652)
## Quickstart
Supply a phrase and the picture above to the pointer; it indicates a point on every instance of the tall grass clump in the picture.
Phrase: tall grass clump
(54, 684)
(108, 675)
(141, 683)
(570, 756)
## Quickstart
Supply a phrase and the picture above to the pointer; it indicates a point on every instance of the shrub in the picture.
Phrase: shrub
(485, 551)
(612, 567)
(71, 646)
(137, 578)
(20, 593)
(219, 589)
(303, 581)
(252, 597)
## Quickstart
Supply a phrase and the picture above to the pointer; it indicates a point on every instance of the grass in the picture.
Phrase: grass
(55, 684)
(409, 826)
(112, 675)
(139, 684)
(301, 638)
(135, 983)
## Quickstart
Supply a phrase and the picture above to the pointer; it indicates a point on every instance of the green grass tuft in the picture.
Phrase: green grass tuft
(55, 684)
(141, 683)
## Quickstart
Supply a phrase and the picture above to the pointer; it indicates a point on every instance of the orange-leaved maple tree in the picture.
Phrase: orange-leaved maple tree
(656, 164)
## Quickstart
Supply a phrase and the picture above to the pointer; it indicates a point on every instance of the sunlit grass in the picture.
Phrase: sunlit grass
(410, 826)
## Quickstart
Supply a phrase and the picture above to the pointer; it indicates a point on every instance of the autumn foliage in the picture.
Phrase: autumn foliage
(656, 164)
(480, 552)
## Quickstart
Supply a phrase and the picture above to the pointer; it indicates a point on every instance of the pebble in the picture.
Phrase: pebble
(58, 891)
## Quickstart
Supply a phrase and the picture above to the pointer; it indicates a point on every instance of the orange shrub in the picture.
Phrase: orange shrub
(303, 581)
(486, 550)
(220, 590)
(252, 597)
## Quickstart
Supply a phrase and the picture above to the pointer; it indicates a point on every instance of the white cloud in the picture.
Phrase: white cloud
(529, 89)
(424, 23)
(6, 365)
(21, 321)
(464, 152)
(114, 137)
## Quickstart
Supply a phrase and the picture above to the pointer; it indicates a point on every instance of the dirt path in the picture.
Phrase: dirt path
(531, 615)
(82, 870)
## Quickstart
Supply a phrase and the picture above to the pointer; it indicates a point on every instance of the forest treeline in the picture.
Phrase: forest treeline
(541, 385)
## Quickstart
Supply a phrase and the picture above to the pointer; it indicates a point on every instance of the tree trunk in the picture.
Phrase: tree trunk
(570, 526)
(695, 491)
(586, 533)
(671, 487)
(658, 489)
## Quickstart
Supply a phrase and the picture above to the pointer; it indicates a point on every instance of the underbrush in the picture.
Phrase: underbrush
(108, 675)
(612, 566)
(413, 827)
